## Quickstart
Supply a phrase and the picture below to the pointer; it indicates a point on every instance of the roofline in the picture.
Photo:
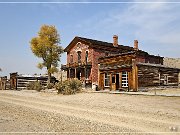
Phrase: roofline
(119, 46)
(156, 65)
(84, 39)
(127, 53)
(122, 54)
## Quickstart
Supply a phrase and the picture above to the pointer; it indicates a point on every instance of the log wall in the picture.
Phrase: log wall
(3, 81)
(155, 76)
(22, 82)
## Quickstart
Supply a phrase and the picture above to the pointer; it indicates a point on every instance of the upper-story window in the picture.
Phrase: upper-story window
(86, 56)
(79, 56)
(71, 58)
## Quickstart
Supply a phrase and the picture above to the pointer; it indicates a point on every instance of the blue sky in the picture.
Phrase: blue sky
(155, 25)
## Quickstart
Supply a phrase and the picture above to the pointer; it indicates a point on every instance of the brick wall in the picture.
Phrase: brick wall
(83, 48)
(154, 60)
(95, 56)
(150, 59)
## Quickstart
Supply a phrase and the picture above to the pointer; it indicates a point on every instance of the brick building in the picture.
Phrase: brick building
(83, 55)
(115, 66)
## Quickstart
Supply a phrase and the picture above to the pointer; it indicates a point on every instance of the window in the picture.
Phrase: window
(71, 59)
(165, 79)
(106, 79)
(79, 57)
(124, 79)
(86, 56)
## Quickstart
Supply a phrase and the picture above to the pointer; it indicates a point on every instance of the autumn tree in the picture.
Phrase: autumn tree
(46, 46)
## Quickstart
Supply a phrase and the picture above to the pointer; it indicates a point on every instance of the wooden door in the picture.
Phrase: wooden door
(101, 81)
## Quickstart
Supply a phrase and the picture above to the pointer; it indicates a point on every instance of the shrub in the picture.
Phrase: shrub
(99, 88)
(69, 87)
(61, 86)
(50, 85)
(75, 85)
(34, 86)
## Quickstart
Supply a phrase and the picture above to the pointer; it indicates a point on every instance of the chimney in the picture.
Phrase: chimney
(115, 41)
(136, 45)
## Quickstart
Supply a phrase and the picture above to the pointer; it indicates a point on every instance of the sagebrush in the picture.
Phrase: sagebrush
(35, 86)
(69, 87)
(50, 85)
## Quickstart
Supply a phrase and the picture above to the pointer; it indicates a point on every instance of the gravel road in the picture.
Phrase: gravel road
(34, 112)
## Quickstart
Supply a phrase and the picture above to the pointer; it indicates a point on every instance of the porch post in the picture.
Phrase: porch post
(85, 74)
(69, 73)
(135, 75)
(110, 81)
(98, 75)
(75, 72)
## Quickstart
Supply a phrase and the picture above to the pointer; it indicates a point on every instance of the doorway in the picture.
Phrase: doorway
(117, 81)
(78, 74)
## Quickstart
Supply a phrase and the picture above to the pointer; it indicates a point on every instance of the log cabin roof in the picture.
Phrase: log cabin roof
(97, 44)
(156, 65)
(116, 55)
(128, 53)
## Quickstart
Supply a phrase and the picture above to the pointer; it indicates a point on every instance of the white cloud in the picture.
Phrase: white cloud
(154, 24)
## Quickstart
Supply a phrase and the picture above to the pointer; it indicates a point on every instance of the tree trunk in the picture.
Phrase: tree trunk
(49, 78)
(49, 75)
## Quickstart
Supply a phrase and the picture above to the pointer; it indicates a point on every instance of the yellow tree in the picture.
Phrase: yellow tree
(46, 46)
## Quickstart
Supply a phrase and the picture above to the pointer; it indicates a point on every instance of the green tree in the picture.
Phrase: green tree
(46, 46)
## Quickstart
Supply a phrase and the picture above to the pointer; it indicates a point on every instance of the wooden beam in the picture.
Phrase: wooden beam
(134, 75)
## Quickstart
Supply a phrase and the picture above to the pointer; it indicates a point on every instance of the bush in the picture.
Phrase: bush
(75, 85)
(50, 85)
(35, 86)
(69, 87)
(61, 86)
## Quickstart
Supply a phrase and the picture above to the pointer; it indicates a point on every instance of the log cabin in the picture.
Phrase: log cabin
(116, 67)
(19, 82)
(3, 81)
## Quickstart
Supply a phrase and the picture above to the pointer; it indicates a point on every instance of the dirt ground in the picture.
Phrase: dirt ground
(31, 112)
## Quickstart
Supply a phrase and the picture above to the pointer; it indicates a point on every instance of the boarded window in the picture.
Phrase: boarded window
(165, 79)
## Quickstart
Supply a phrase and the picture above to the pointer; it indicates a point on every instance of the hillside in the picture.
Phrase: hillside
(172, 62)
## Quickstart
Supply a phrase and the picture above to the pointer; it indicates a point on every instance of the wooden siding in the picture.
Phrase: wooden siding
(155, 76)
(148, 76)
(3, 81)
(21, 82)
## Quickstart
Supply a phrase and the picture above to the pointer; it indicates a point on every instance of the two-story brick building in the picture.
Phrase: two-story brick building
(83, 55)
(115, 66)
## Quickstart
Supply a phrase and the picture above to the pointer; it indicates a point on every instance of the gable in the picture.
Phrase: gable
(77, 44)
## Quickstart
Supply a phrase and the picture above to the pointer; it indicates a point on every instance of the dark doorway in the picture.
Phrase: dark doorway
(117, 81)
(78, 74)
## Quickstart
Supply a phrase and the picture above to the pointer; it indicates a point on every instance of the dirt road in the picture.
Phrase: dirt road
(87, 113)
